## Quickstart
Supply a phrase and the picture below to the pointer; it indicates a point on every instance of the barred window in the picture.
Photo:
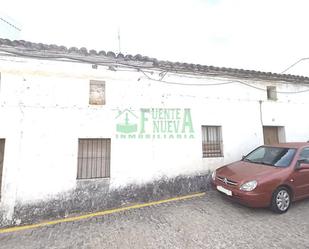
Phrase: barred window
(212, 141)
(93, 158)
(97, 92)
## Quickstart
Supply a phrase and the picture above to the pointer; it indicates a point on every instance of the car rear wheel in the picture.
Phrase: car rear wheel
(281, 200)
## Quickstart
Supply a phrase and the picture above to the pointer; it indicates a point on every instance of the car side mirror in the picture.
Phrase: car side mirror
(243, 157)
(302, 164)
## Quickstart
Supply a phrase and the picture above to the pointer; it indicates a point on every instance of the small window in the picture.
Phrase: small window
(2, 143)
(93, 158)
(97, 92)
(271, 93)
(212, 141)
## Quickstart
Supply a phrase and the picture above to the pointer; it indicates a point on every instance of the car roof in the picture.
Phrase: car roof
(290, 145)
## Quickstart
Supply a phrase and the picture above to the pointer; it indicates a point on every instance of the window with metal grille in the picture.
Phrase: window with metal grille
(93, 158)
(212, 141)
(97, 92)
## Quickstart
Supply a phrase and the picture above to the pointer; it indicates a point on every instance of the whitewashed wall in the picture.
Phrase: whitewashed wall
(44, 110)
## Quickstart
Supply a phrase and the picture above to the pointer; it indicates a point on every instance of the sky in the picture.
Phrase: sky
(263, 35)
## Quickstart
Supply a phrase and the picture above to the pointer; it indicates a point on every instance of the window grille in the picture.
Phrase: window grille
(93, 158)
(212, 141)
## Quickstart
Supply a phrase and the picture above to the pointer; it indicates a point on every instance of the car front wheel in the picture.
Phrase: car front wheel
(281, 200)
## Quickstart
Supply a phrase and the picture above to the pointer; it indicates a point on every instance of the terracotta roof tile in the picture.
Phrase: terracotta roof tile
(102, 53)
(26, 48)
(111, 54)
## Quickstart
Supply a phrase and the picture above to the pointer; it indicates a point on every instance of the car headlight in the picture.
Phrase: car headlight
(248, 186)
(213, 175)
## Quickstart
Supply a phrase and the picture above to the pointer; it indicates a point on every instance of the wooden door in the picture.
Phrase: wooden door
(270, 134)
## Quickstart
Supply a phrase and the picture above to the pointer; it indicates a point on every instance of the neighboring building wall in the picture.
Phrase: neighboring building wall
(44, 111)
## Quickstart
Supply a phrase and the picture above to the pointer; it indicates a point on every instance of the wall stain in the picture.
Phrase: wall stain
(92, 196)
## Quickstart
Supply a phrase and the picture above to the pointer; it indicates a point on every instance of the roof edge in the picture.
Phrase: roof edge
(52, 51)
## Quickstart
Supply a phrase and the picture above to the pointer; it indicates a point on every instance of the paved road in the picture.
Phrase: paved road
(204, 222)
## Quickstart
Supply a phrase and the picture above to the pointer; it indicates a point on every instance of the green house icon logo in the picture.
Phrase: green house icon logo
(126, 125)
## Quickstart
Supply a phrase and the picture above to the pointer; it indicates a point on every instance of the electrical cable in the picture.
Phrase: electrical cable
(218, 84)
(12, 25)
(139, 69)
(302, 59)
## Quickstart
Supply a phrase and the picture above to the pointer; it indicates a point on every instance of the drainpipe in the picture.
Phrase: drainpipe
(261, 112)
(261, 118)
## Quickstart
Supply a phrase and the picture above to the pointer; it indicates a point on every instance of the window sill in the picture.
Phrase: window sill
(93, 179)
(94, 183)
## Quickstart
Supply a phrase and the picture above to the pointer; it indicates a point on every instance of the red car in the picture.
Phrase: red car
(269, 176)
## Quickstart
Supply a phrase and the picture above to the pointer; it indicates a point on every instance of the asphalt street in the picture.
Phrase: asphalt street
(210, 221)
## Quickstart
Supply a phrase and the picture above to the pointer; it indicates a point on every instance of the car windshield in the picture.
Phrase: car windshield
(273, 156)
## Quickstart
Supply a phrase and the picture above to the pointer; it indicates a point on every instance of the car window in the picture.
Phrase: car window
(304, 155)
(273, 156)
(285, 159)
(257, 155)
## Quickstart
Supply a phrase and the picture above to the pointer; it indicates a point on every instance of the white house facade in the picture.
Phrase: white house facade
(83, 131)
